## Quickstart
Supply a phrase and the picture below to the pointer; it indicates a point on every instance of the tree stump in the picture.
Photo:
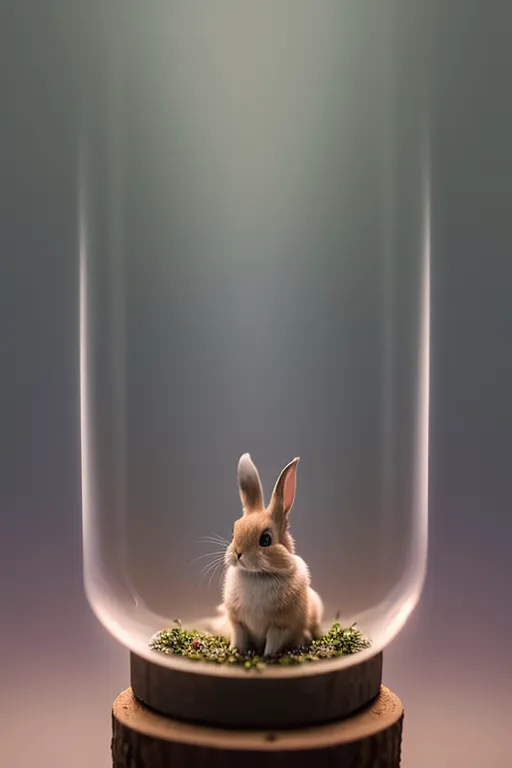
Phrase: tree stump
(143, 738)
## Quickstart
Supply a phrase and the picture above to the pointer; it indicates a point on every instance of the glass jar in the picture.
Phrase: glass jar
(254, 277)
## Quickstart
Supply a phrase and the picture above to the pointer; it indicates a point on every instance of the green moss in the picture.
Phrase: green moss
(201, 646)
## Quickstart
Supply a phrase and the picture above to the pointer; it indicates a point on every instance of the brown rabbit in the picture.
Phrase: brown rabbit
(267, 595)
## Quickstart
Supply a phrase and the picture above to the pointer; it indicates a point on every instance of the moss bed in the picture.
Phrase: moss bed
(201, 646)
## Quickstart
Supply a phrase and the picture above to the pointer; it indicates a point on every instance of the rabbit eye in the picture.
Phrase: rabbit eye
(265, 539)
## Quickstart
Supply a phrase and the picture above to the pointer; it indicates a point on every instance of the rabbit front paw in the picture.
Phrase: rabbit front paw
(239, 638)
(278, 639)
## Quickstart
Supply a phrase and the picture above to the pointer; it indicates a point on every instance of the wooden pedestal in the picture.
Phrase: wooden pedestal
(297, 696)
(370, 738)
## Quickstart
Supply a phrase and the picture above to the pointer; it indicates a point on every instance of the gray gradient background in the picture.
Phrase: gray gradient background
(451, 664)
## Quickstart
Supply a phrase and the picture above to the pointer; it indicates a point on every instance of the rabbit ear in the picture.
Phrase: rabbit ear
(283, 494)
(249, 484)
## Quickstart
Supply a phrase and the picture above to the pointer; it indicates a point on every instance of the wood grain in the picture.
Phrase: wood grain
(144, 739)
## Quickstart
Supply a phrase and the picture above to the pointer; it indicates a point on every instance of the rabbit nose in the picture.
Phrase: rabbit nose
(238, 555)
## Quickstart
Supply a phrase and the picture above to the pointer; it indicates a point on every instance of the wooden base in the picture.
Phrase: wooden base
(278, 697)
(144, 739)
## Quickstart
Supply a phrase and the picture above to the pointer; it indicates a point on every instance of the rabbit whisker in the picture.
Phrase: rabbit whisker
(208, 554)
(214, 572)
(217, 560)
(213, 539)
(211, 568)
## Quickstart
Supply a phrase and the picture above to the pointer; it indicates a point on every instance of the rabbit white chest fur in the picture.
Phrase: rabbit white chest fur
(269, 612)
